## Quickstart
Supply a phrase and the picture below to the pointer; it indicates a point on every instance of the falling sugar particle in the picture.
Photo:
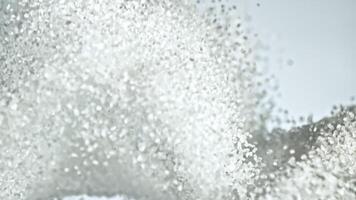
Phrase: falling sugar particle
(167, 105)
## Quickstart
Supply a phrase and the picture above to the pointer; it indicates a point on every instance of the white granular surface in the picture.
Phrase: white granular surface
(149, 99)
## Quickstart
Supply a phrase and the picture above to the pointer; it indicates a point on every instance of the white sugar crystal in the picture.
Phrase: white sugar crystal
(150, 99)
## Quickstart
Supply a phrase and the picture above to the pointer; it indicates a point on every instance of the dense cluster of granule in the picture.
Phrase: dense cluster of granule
(143, 98)
(146, 98)
(328, 171)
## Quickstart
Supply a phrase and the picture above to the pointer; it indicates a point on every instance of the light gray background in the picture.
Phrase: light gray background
(320, 37)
